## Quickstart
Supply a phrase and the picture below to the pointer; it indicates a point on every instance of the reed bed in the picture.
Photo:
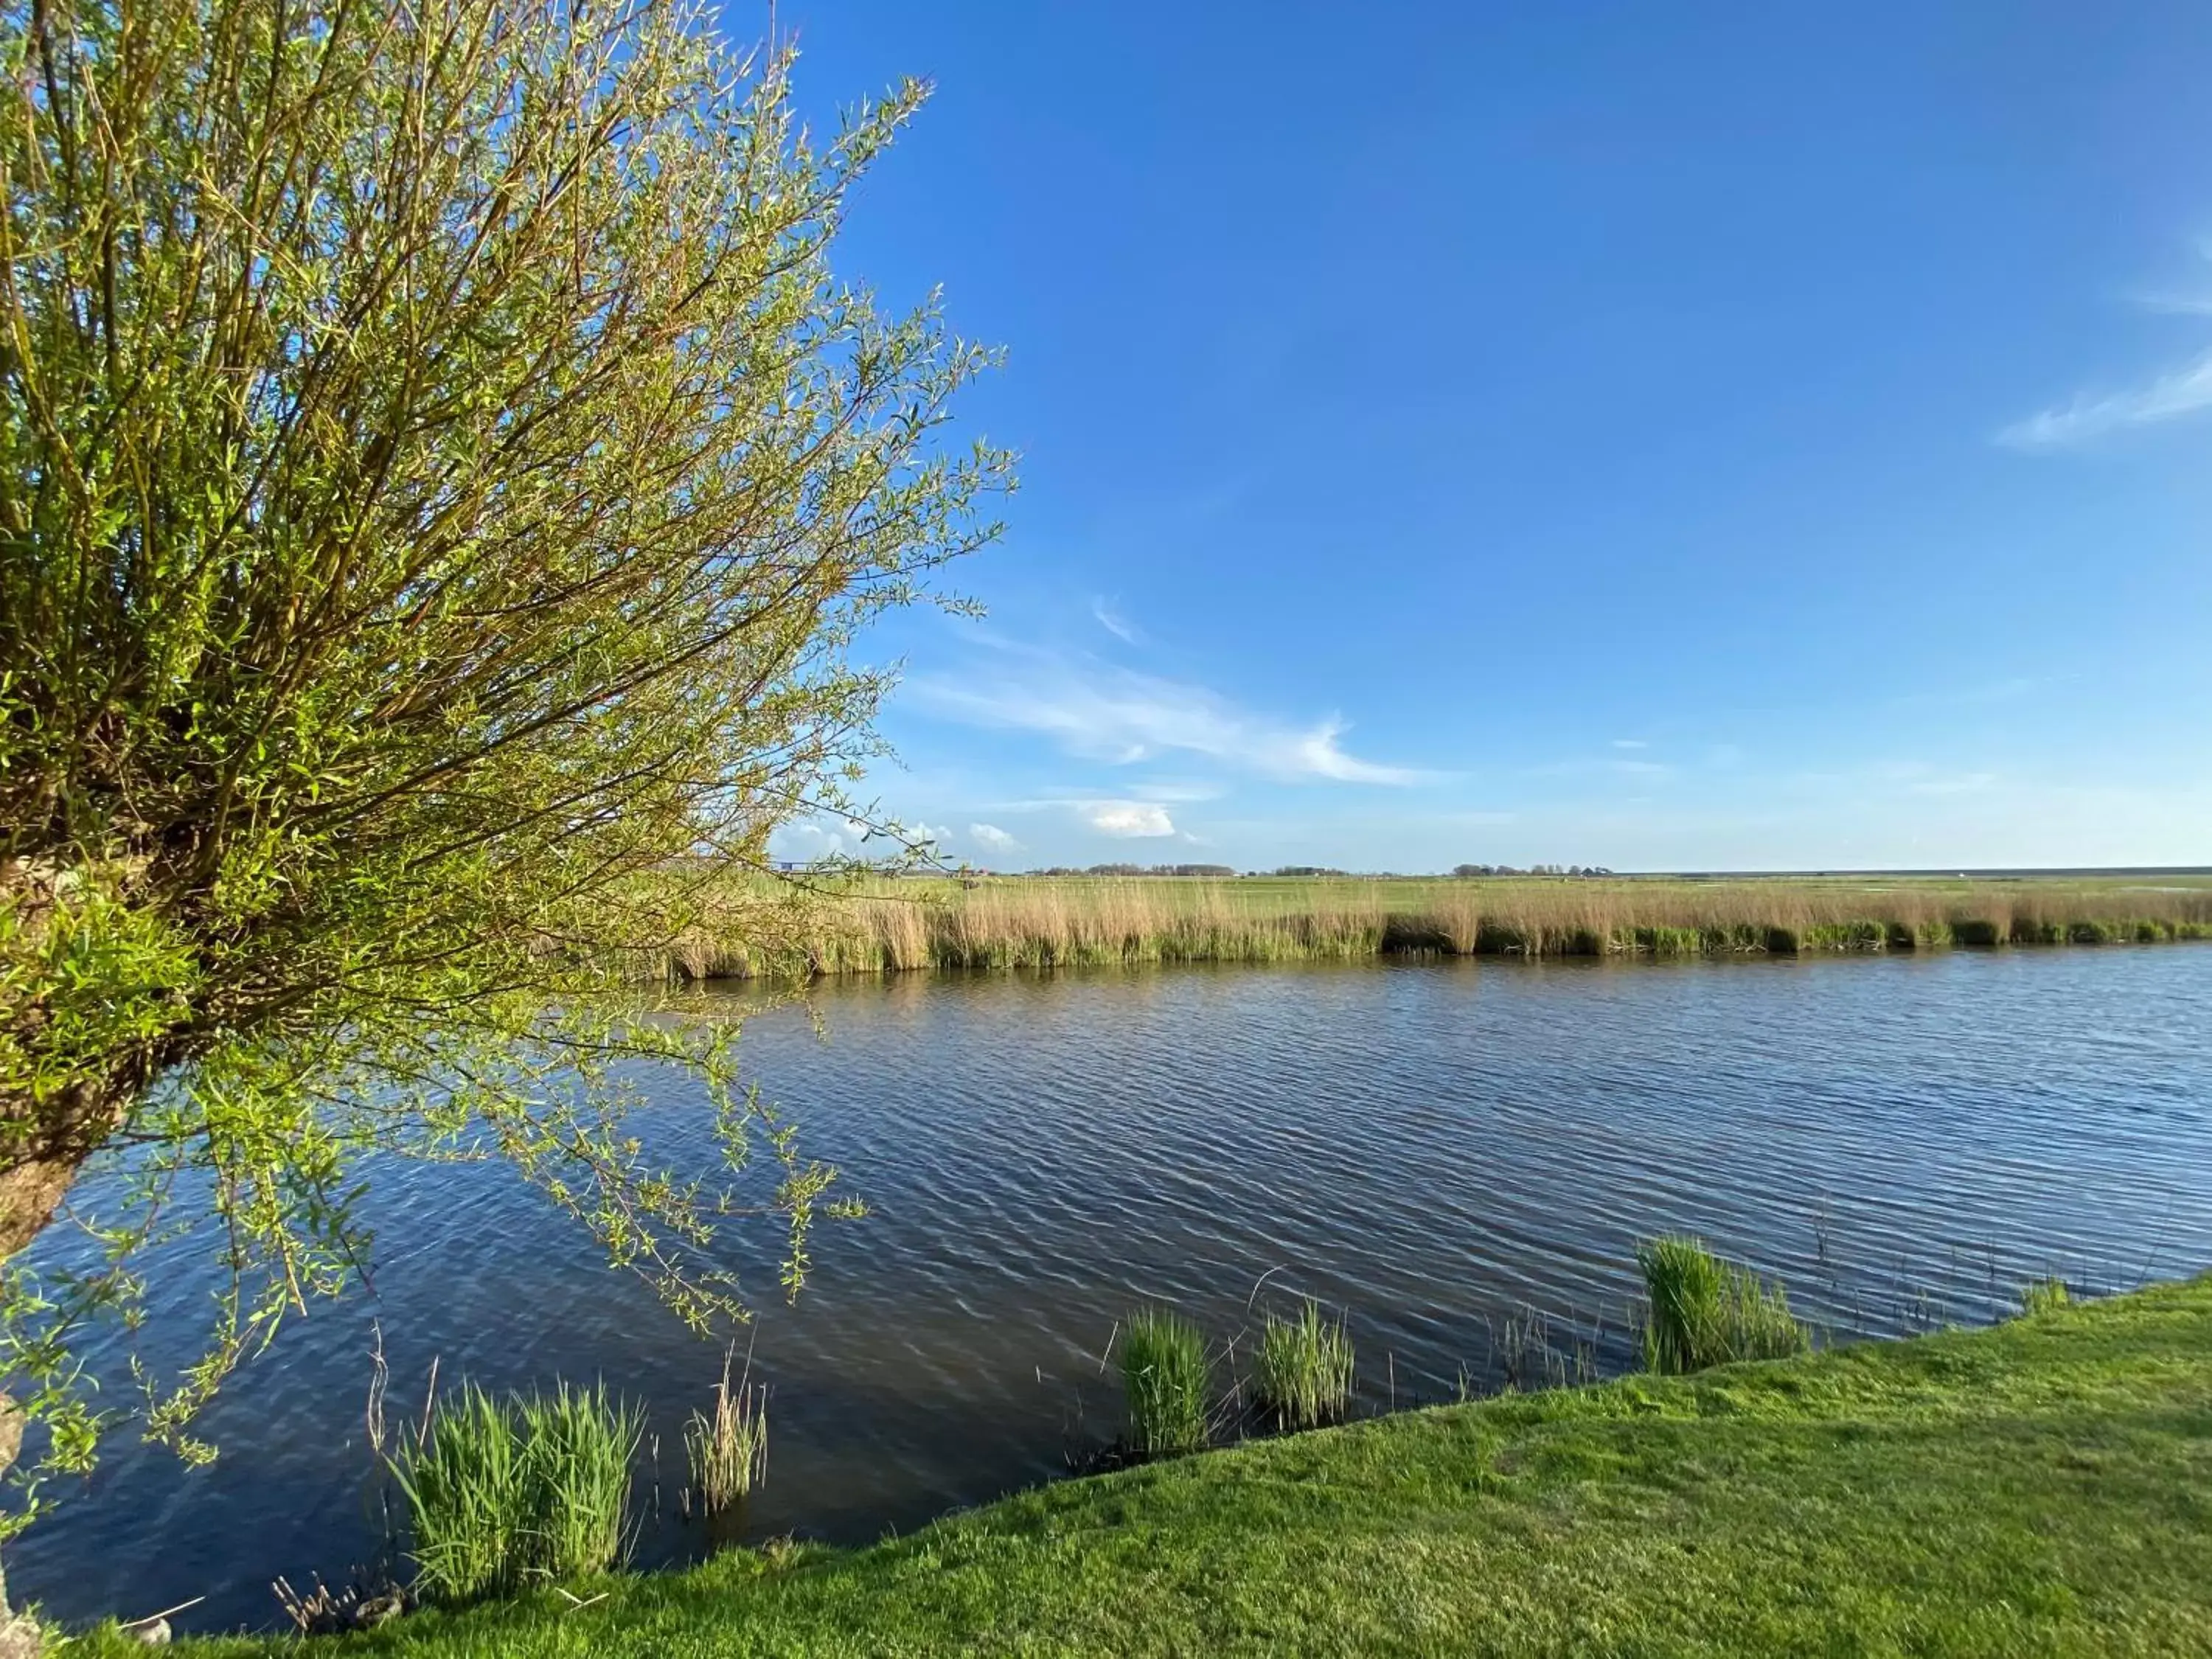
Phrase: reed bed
(1304, 1371)
(2043, 1295)
(1011, 923)
(1703, 1311)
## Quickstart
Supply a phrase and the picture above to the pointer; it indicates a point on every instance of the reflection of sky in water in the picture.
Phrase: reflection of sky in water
(1432, 1145)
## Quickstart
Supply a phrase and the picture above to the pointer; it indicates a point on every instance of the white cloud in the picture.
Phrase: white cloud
(1123, 717)
(1127, 818)
(2182, 392)
(994, 838)
(805, 841)
(1630, 743)
(928, 832)
(1114, 623)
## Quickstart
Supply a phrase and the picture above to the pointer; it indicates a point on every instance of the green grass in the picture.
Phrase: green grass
(1302, 1374)
(2041, 1487)
(1165, 1379)
(1701, 1311)
(2043, 1295)
(504, 1493)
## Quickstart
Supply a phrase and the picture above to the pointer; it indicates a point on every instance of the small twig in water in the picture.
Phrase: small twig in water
(133, 1624)
(430, 1399)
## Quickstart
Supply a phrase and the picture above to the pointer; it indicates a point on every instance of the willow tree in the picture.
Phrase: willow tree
(441, 481)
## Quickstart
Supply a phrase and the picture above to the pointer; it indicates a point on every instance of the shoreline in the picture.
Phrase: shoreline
(2030, 1485)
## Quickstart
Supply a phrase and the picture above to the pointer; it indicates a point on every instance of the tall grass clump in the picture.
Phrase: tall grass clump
(505, 1493)
(577, 1448)
(728, 1450)
(1164, 1380)
(1305, 1371)
(2043, 1295)
(1704, 1311)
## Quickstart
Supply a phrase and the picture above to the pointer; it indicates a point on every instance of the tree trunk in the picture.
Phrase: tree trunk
(36, 1173)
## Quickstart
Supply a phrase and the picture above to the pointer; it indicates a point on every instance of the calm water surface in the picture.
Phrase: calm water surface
(1435, 1147)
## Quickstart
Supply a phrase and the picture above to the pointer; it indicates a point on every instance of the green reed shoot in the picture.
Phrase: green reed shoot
(2043, 1296)
(1304, 1367)
(577, 1448)
(1165, 1376)
(461, 1475)
(1704, 1311)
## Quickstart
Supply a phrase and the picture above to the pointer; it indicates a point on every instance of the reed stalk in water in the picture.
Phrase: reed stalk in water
(728, 1450)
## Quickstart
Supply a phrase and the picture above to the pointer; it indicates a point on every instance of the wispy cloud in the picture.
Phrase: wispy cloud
(2182, 392)
(1603, 766)
(1127, 818)
(1630, 743)
(994, 838)
(1114, 623)
(2179, 392)
(1123, 717)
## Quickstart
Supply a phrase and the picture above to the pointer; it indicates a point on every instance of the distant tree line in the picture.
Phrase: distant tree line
(1532, 869)
(1137, 870)
(1309, 870)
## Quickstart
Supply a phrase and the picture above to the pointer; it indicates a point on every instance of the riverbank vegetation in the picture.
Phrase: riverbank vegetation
(1304, 1367)
(1700, 1311)
(1166, 1377)
(2039, 1487)
(883, 925)
(504, 1493)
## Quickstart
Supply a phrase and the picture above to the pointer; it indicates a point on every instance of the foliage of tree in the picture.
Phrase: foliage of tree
(441, 481)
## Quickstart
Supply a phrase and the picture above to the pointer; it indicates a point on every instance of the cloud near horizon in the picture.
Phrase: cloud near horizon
(994, 838)
(1122, 717)
(1127, 818)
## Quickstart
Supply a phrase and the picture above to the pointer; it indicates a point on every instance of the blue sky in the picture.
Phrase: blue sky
(1660, 437)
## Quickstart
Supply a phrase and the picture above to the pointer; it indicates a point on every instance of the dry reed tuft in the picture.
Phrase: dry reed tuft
(727, 1449)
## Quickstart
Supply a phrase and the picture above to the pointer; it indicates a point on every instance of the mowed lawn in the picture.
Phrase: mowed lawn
(2044, 1487)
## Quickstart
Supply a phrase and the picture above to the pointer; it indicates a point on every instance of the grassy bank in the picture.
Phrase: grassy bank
(1029, 922)
(2044, 1487)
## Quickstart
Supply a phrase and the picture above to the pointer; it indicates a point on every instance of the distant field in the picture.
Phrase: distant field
(1006, 921)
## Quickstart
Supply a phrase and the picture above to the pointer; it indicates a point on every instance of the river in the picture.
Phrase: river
(1435, 1146)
